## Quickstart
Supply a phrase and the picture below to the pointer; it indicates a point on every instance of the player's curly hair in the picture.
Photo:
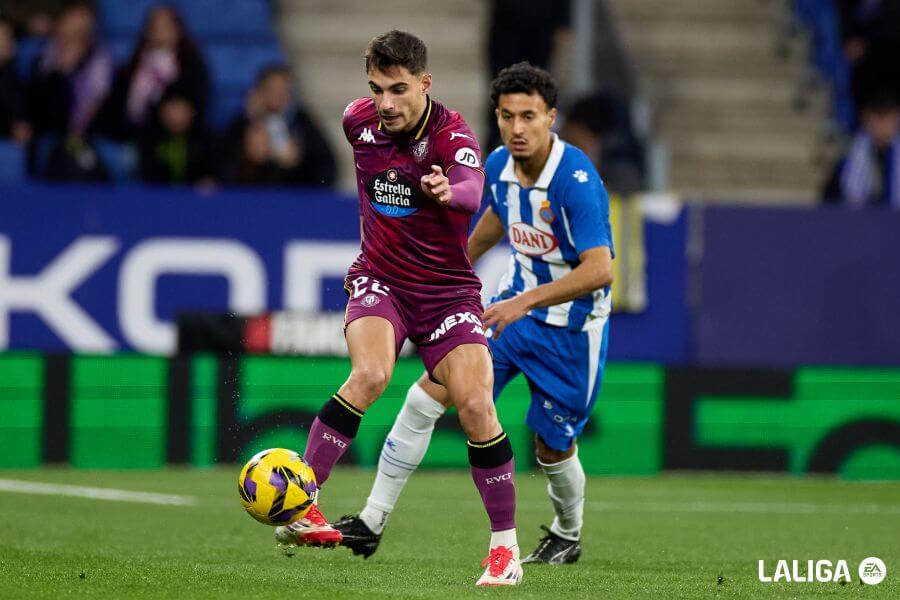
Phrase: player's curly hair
(525, 78)
(396, 48)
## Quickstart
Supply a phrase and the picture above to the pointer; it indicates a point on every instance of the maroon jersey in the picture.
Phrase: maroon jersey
(408, 239)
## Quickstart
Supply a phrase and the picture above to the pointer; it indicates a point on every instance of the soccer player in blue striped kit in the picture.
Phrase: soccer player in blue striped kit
(549, 319)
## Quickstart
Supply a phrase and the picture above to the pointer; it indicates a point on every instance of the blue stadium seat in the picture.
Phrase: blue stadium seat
(206, 19)
(27, 51)
(233, 66)
(121, 48)
(12, 162)
(224, 107)
(120, 160)
(228, 19)
(123, 17)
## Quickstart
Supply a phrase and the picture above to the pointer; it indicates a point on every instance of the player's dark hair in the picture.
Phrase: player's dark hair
(396, 48)
(525, 78)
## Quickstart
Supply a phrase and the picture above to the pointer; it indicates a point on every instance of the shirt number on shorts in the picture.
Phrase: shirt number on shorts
(359, 287)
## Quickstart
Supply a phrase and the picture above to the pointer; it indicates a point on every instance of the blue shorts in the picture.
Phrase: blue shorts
(564, 370)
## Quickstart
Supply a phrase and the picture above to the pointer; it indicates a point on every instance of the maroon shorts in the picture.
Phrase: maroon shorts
(435, 322)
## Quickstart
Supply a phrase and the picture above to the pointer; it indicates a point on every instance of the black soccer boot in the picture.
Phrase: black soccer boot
(357, 535)
(554, 550)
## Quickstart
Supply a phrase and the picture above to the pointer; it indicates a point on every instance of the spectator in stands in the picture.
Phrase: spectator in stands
(871, 38)
(165, 57)
(276, 142)
(869, 174)
(600, 126)
(175, 146)
(33, 18)
(12, 92)
(524, 30)
(72, 79)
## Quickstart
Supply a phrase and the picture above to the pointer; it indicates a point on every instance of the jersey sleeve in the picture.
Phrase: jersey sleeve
(456, 146)
(352, 116)
(586, 207)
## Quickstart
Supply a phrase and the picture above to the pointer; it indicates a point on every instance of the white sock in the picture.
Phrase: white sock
(402, 452)
(507, 538)
(566, 489)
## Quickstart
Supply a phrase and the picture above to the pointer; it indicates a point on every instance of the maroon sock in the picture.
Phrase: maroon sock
(330, 435)
(493, 469)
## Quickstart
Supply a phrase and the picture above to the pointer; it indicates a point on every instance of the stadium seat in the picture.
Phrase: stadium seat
(228, 19)
(12, 163)
(121, 48)
(121, 160)
(27, 51)
(118, 18)
(224, 107)
(205, 19)
(233, 66)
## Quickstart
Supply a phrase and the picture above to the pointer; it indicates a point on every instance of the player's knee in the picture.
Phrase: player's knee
(547, 455)
(369, 382)
(475, 410)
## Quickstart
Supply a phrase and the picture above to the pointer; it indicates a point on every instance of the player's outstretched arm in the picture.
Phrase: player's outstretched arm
(593, 273)
(488, 231)
(459, 189)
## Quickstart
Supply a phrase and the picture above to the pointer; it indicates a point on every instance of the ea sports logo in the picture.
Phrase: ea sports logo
(872, 571)
(392, 175)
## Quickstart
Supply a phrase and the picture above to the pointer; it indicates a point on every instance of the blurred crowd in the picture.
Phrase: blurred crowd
(71, 103)
(869, 172)
(84, 116)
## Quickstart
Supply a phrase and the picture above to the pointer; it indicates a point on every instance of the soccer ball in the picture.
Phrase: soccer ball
(276, 487)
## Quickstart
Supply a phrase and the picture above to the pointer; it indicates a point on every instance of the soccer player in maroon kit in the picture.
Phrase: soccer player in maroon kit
(418, 170)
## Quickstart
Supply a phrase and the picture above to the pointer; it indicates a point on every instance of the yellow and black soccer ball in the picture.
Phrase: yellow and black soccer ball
(277, 487)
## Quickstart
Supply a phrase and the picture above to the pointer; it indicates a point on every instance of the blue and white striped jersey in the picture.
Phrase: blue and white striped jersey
(549, 226)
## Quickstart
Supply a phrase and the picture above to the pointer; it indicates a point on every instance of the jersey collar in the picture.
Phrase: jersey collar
(543, 181)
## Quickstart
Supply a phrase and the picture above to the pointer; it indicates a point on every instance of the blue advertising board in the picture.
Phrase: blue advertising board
(104, 269)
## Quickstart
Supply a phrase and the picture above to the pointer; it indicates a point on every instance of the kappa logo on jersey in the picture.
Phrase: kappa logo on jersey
(467, 156)
(366, 136)
(530, 241)
(581, 175)
(456, 134)
(457, 319)
(393, 195)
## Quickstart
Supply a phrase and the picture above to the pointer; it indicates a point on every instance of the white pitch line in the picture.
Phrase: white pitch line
(94, 493)
(746, 507)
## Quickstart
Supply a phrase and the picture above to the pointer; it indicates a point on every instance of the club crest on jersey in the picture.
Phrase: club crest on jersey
(391, 194)
(531, 241)
(370, 300)
(419, 149)
(546, 213)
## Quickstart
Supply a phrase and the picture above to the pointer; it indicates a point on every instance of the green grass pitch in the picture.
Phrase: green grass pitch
(676, 536)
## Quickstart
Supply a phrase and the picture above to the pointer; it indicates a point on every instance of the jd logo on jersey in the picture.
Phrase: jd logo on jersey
(531, 241)
(393, 195)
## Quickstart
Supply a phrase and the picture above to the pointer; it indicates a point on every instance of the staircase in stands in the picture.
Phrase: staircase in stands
(724, 100)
